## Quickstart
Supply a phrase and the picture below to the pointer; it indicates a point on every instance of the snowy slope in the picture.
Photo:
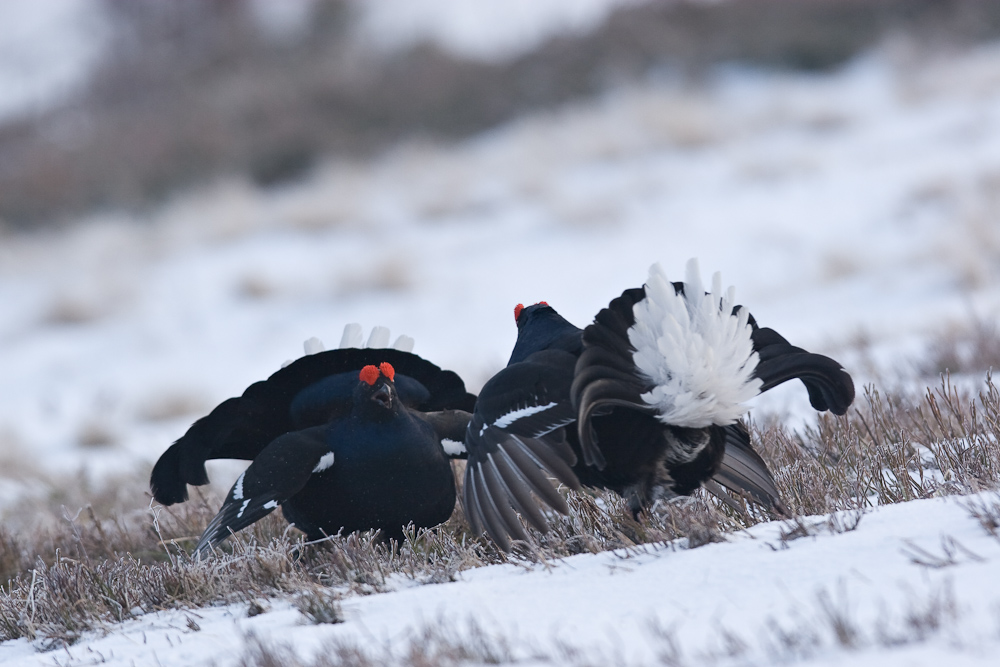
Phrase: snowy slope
(862, 205)
(857, 206)
(899, 599)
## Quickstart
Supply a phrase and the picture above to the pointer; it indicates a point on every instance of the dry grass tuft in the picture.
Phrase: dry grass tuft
(970, 348)
(95, 433)
(64, 574)
(172, 404)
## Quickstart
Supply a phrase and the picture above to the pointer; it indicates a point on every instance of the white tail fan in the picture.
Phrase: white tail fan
(696, 352)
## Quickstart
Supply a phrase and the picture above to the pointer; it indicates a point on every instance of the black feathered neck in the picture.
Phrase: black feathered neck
(540, 327)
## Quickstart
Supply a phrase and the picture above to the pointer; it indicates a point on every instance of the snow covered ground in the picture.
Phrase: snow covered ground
(860, 208)
(912, 584)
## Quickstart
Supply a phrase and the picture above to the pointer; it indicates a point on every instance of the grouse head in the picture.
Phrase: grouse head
(540, 327)
(375, 396)
(523, 315)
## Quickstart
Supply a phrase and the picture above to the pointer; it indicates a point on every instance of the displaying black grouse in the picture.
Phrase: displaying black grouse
(645, 401)
(348, 439)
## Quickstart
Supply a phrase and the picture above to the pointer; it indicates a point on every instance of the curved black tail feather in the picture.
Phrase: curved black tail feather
(830, 387)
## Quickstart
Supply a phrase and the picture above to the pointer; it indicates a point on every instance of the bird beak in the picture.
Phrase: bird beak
(383, 396)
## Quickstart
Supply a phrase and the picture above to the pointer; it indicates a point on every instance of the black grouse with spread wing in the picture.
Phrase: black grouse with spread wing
(349, 439)
(645, 401)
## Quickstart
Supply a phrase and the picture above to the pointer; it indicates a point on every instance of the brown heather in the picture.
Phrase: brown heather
(89, 571)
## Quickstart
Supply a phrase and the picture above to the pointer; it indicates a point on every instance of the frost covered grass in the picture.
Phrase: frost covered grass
(90, 568)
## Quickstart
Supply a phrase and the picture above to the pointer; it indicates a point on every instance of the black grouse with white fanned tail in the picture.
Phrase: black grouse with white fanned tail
(344, 440)
(645, 401)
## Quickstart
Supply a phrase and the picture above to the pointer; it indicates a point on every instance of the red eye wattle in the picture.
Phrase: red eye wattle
(369, 374)
(387, 370)
(517, 311)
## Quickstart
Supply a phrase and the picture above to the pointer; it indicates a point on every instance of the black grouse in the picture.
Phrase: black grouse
(343, 440)
(645, 401)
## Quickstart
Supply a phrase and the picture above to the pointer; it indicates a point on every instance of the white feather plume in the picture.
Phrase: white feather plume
(352, 336)
(404, 343)
(694, 350)
(379, 337)
(313, 346)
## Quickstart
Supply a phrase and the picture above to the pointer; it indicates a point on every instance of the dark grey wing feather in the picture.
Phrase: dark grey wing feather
(744, 472)
(278, 473)
(516, 437)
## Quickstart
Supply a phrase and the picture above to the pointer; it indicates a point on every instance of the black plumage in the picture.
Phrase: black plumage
(570, 403)
(338, 442)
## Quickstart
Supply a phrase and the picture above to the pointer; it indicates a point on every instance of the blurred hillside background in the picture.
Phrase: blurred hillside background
(189, 189)
(120, 103)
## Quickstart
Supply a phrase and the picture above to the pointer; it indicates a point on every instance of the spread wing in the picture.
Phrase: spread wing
(309, 391)
(515, 437)
(278, 473)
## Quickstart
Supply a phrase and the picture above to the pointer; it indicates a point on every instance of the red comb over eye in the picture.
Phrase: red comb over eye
(517, 311)
(542, 303)
(387, 370)
(369, 374)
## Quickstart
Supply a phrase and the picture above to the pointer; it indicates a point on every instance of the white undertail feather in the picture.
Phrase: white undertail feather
(313, 345)
(352, 336)
(697, 353)
(379, 337)
(404, 344)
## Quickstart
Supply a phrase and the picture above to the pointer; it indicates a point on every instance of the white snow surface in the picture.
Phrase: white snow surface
(859, 207)
(882, 578)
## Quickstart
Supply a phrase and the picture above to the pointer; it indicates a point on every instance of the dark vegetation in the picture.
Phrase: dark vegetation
(92, 568)
(193, 89)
